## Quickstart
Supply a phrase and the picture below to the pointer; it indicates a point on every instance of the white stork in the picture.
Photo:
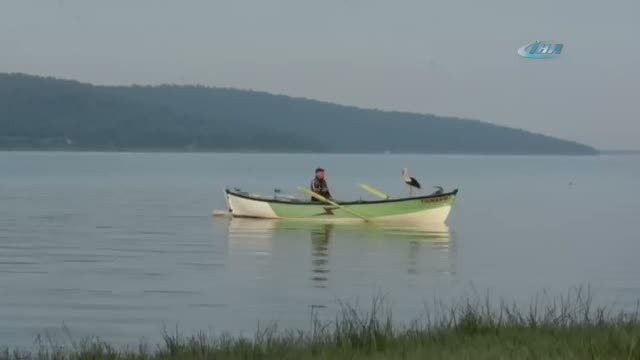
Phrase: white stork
(411, 181)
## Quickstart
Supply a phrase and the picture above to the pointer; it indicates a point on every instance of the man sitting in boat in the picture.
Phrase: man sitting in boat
(319, 185)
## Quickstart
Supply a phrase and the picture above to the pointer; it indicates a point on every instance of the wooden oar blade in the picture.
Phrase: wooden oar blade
(375, 191)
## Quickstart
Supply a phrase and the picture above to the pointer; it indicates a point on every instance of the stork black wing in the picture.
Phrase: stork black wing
(414, 183)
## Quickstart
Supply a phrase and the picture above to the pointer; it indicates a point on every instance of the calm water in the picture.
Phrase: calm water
(120, 245)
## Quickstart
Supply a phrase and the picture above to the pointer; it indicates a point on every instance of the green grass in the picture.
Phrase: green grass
(563, 328)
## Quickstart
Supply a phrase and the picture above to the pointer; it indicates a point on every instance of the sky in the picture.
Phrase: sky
(445, 57)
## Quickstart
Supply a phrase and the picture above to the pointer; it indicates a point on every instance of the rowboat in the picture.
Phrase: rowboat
(434, 208)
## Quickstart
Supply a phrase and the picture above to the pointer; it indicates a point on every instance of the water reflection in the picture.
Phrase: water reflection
(320, 238)
(420, 248)
(251, 234)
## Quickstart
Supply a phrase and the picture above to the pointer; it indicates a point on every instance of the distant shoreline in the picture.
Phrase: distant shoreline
(47, 113)
(619, 152)
(251, 151)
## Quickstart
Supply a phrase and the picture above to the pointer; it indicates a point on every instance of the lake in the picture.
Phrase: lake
(121, 245)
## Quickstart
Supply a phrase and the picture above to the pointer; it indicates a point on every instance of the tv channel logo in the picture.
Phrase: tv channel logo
(541, 50)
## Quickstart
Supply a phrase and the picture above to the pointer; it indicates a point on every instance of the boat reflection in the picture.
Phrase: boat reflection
(426, 247)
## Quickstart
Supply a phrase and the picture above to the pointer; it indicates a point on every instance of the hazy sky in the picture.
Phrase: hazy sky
(449, 57)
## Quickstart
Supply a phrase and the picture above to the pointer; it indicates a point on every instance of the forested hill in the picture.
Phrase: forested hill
(47, 113)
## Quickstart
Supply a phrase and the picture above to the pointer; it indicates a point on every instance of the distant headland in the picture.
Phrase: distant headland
(46, 113)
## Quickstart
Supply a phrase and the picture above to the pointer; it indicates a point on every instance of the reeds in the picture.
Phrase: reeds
(566, 327)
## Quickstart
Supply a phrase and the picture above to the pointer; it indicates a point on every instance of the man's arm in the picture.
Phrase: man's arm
(316, 187)
(325, 189)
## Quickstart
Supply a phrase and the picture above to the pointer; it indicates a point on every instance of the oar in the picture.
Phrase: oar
(333, 203)
(375, 191)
